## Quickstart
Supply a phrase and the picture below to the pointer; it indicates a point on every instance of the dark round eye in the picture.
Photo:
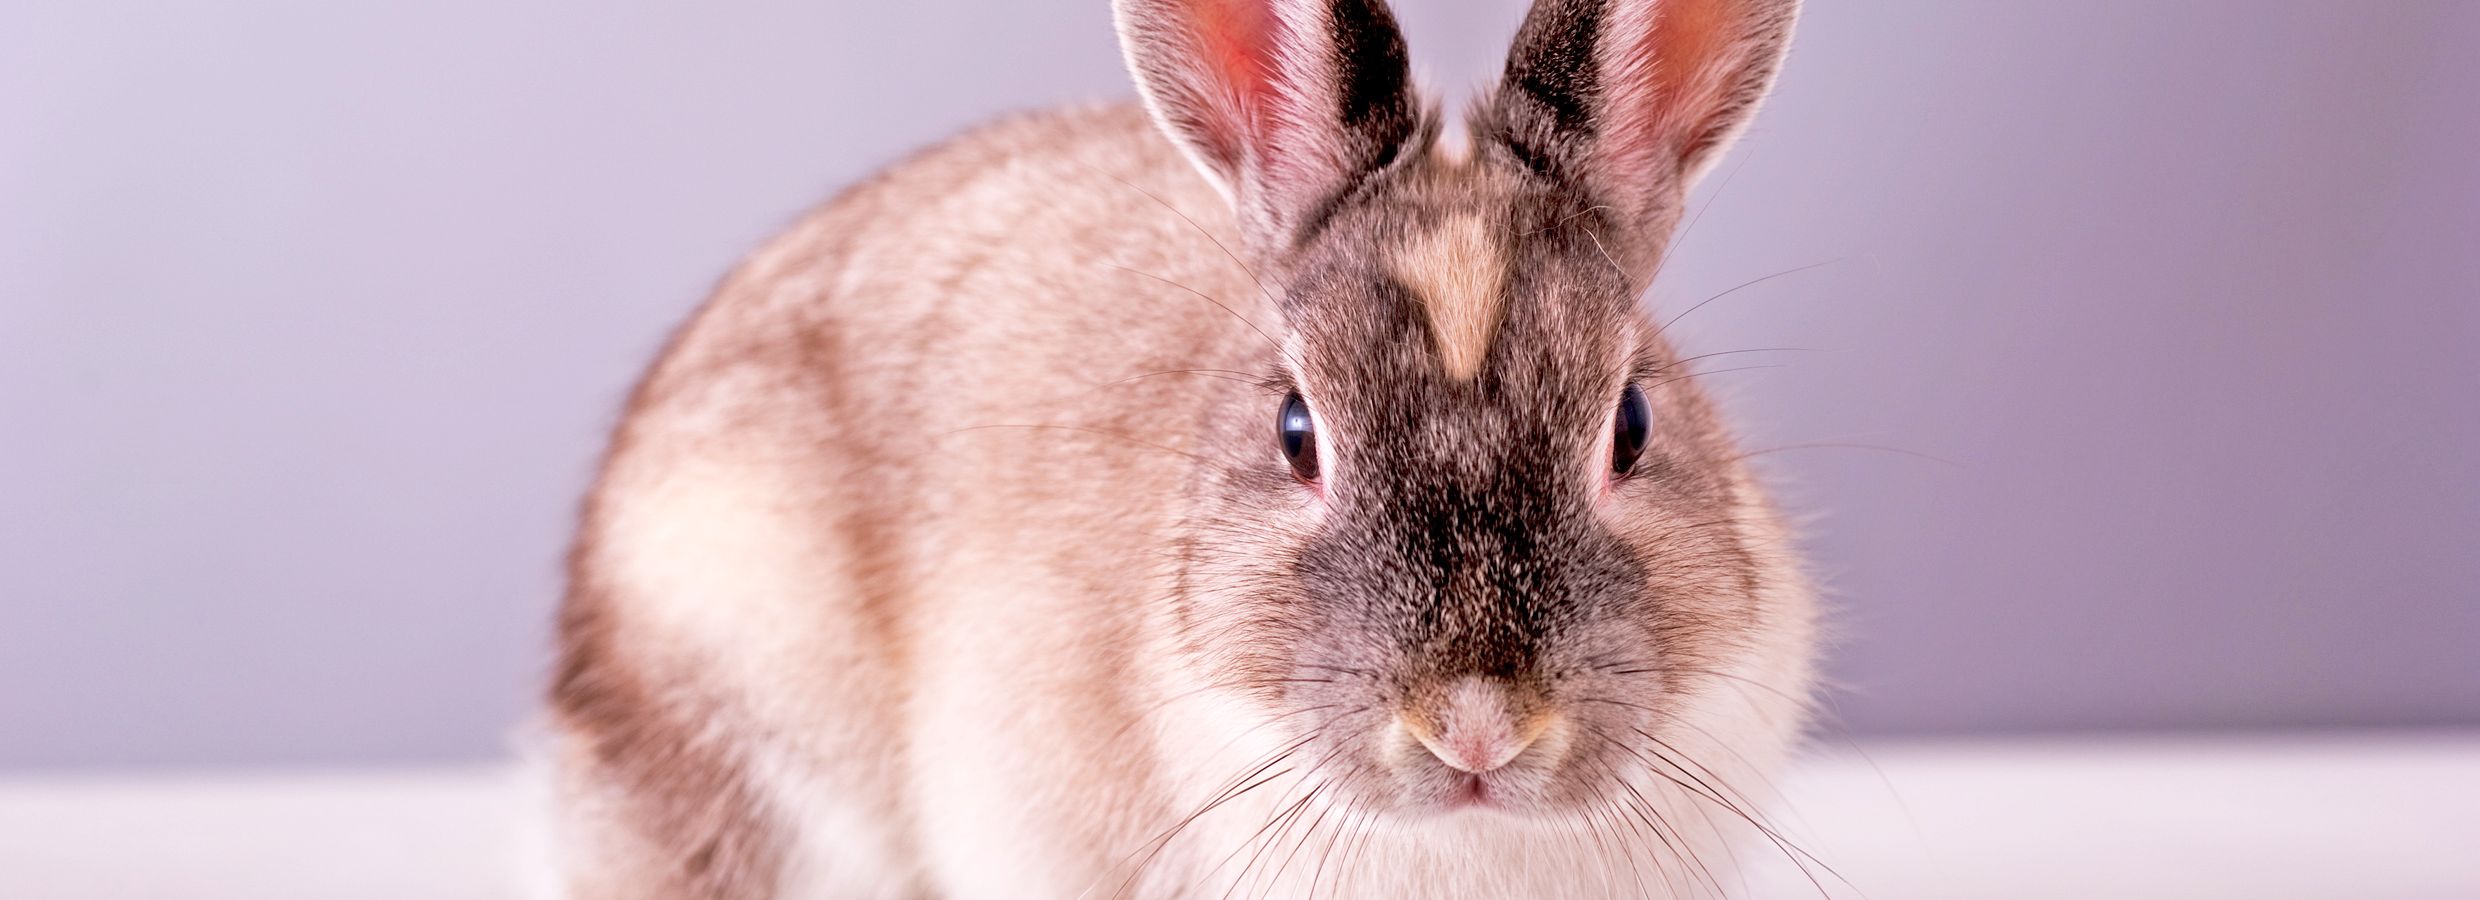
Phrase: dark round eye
(1629, 429)
(1298, 431)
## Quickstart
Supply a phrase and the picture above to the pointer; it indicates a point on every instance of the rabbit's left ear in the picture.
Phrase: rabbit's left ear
(1285, 104)
(1632, 100)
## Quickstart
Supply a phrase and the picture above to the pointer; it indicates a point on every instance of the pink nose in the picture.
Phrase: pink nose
(1475, 730)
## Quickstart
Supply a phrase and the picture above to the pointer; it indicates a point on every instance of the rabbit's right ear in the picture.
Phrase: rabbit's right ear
(1629, 101)
(1285, 104)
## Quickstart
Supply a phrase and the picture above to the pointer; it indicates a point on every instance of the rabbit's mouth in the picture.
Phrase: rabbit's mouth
(1500, 792)
(1473, 791)
(1476, 753)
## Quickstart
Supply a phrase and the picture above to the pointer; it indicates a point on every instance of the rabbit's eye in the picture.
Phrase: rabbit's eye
(1298, 431)
(1629, 429)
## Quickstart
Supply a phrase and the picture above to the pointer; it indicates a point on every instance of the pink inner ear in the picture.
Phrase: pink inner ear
(1676, 69)
(1237, 39)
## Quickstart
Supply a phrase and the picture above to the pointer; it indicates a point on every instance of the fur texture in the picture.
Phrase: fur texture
(949, 551)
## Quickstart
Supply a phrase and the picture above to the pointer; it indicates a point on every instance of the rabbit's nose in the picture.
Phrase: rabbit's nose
(1475, 726)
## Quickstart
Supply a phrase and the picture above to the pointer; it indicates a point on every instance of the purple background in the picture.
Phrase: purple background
(312, 316)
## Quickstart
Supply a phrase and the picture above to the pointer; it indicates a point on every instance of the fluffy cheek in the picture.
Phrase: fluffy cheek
(1239, 608)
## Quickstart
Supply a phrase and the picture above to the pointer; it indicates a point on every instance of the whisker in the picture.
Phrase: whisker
(1735, 678)
(1144, 714)
(1709, 372)
(1843, 446)
(1707, 791)
(1201, 230)
(1364, 673)
(1080, 428)
(1610, 818)
(1262, 841)
(1653, 819)
(1218, 304)
(1665, 327)
(1562, 220)
(1790, 848)
(1360, 845)
(1689, 359)
(1710, 199)
(1354, 814)
(1306, 772)
(1583, 817)
(1219, 374)
(1275, 880)
(1154, 847)
(1615, 268)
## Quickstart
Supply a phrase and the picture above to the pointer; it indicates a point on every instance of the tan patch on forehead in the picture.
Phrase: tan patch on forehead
(1458, 271)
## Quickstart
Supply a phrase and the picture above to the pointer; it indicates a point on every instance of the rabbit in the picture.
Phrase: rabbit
(1253, 491)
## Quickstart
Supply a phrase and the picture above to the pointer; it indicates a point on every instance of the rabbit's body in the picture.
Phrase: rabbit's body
(944, 347)
(944, 554)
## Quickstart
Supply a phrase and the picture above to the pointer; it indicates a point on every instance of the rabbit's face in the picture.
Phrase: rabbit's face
(1484, 542)
(1489, 530)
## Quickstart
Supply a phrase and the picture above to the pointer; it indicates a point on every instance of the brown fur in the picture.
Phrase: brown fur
(946, 552)
(1458, 270)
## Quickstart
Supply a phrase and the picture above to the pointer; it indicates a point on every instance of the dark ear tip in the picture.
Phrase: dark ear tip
(1592, 96)
(1286, 104)
(1374, 71)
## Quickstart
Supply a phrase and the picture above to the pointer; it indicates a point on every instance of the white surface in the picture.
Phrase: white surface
(2362, 818)
(2371, 819)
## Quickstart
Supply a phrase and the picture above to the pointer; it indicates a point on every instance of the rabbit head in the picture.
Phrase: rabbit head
(1480, 542)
